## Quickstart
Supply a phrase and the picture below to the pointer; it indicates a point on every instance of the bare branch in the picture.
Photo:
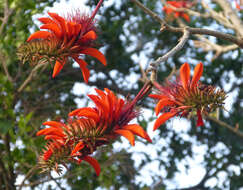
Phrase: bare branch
(223, 124)
(177, 48)
(27, 176)
(165, 26)
(231, 14)
(217, 16)
(31, 75)
(4, 65)
(7, 13)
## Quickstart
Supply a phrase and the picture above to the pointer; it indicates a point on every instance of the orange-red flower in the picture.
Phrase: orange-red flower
(185, 95)
(63, 38)
(177, 4)
(238, 4)
(89, 128)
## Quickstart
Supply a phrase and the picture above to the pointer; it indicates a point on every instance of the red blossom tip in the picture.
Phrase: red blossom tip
(197, 74)
(162, 119)
(199, 119)
(93, 162)
(185, 75)
(127, 134)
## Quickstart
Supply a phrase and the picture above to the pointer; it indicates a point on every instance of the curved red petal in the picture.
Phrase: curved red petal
(61, 21)
(39, 35)
(89, 113)
(157, 96)
(77, 148)
(162, 119)
(84, 69)
(95, 53)
(161, 104)
(127, 134)
(197, 74)
(57, 68)
(137, 130)
(50, 131)
(101, 104)
(53, 137)
(185, 75)
(74, 112)
(54, 28)
(91, 35)
(93, 162)
(53, 124)
(45, 20)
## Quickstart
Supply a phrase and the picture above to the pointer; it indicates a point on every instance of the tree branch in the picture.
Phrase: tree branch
(223, 124)
(166, 26)
(178, 47)
(31, 75)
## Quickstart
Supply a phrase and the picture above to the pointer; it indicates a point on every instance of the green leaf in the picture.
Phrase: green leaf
(5, 126)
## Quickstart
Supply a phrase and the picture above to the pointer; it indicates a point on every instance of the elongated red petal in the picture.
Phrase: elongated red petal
(54, 28)
(39, 35)
(137, 130)
(46, 20)
(157, 96)
(84, 69)
(127, 134)
(199, 118)
(93, 162)
(59, 20)
(185, 75)
(95, 53)
(162, 119)
(102, 104)
(57, 68)
(50, 131)
(91, 35)
(53, 124)
(161, 104)
(53, 137)
(89, 113)
(47, 154)
(197, 74)
(77, 148)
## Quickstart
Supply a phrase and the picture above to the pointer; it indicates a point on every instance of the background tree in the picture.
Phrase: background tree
(131, 40)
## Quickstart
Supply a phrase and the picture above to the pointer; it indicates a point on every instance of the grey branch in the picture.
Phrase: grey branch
(224, 36)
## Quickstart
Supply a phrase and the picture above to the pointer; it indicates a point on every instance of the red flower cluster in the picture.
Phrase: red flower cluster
(186, 95)
(177, 4)
(65, 38)
(89, 128)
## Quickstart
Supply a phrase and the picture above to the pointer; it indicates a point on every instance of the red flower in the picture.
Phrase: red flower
(90, 128)
(177, 4)
(238, 4)
(185, 95)
(63, 38)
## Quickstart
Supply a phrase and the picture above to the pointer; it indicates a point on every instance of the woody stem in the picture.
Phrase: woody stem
(96, 10)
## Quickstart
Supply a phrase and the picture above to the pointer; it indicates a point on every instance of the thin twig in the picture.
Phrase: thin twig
(31, 75)
(7, 13)
(178, 47)
(223, 124)
(27, 176)
(5, 68)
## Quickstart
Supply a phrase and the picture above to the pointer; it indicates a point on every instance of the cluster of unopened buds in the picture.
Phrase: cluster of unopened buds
(88, 128)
